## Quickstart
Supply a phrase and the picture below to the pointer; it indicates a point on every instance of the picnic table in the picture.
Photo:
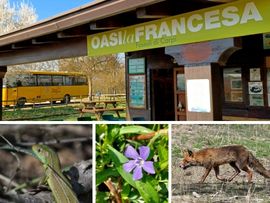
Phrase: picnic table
(99, 107)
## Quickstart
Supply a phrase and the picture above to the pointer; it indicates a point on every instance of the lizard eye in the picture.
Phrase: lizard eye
(39, 150)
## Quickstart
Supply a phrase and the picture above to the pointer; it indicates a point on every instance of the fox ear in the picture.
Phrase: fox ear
(190, 153)
(187, 152)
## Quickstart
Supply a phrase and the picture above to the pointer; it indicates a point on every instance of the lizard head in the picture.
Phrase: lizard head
(42, 152)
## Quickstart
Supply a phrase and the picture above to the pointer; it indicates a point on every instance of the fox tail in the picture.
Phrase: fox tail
(257, 166)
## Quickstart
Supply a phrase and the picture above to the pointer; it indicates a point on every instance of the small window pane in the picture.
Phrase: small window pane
(69, 80)
(57, 80)
(81, 81)
(181, 86)
(44, 80)
(27, 80)
(233, 89)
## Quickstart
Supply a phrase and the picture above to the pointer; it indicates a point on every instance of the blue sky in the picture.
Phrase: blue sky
(49, 8)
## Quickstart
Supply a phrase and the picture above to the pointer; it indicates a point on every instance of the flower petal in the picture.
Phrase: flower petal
(131, 153)
(129, 166)
(137, 173)
(144, 152)
(148, 166)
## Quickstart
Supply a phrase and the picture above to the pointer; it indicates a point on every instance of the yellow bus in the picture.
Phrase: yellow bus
(36, 86)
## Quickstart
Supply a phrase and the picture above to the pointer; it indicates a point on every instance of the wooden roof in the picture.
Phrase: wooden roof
(64, 35)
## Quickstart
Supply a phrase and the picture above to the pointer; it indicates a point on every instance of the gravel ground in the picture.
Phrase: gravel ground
(185, 186)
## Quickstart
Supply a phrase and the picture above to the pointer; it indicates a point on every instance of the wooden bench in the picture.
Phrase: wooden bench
(99, 111)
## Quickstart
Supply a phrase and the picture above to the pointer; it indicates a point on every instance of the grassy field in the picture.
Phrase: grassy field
(58, 113)
(185, 187)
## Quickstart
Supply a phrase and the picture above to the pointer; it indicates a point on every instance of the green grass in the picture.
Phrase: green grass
(62, 113)
(255, 137)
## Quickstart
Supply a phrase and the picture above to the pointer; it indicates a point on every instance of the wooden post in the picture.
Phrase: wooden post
(3, 70)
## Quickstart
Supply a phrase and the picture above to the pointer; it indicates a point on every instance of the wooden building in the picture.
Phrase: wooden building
(185, 60)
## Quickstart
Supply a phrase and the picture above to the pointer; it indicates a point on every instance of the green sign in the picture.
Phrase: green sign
(137, 98)
(239, 18)
(136, 66)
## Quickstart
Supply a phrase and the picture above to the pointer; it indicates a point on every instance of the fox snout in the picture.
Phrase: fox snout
(184, 165)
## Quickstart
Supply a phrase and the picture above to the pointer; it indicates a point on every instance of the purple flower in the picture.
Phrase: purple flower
(139, 162)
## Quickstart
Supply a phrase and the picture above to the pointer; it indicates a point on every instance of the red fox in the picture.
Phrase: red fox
(211, 158)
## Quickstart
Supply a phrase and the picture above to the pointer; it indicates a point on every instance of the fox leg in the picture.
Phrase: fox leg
(237, 171)
(207, 171)
(216, 168)
(249, 172)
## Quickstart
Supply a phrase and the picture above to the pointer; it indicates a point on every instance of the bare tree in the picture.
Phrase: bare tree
(41, 66)
(15, 16)
(92, 67)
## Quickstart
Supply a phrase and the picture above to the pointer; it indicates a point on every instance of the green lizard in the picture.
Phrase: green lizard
(58, 183)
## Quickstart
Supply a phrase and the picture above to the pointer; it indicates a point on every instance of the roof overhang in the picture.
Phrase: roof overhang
(65, 35)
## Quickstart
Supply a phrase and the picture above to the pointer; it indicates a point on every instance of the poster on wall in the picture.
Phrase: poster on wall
(255, 74)
(198, 95)
(256, 100)
(255, 88)
(266, 41)
(137, 98)
(136, 66)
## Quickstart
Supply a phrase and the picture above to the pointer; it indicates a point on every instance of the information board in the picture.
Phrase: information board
(137, 93)
(136, 66)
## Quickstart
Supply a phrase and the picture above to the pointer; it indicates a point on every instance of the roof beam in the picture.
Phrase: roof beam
(63, 35)
(42, 41)
(106, 24)
(149, 13)
(221, 1)
(68, 48)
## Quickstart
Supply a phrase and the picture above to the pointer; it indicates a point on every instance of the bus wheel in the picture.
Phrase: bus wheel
(21, 102)
(66, 99)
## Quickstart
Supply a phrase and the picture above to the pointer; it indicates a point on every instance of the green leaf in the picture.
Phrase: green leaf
(101, 128)
(163, 152)
(159, 134)
(146, 190)
(163, 165)
(135, 129)
(105, 174)
(125, 191)
(101, 197)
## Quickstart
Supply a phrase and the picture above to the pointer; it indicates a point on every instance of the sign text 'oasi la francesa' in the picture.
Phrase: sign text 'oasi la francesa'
(229, 20)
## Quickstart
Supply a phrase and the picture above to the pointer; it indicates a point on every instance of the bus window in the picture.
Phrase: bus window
(69, 80)
(44, 80)
(57, 80)
(27, 80)
(81, 80)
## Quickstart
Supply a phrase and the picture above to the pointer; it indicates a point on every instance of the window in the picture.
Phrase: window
(27, 80)
(81, 80)
(181, 86)
(44, 80)
(69, 80)
(233, 87)
(57, 80)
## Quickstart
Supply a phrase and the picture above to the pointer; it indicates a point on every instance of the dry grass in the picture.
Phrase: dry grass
(184, 183)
